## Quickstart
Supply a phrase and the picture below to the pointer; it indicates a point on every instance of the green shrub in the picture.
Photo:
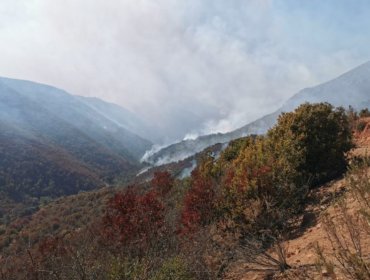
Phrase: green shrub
(173, 269)
(127, 269)
(364, 113)
(265, 179)
(311, 143)
(361, 126)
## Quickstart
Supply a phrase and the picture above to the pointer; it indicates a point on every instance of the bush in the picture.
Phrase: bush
(248, 178)
(310, 144)
(364, 113)
(198, 203)
(134, 218)
(266, 179)
(361, 126)
(127, 269)
(173, 269)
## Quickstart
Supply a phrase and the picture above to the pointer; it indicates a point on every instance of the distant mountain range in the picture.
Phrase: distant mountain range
(53, 143)
(351, 88)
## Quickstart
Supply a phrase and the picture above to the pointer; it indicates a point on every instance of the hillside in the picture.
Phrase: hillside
(328, 206)
(179, 169)
(53, 143)
(23, 99)
(122, 118)
(226, 221)
(350, 89)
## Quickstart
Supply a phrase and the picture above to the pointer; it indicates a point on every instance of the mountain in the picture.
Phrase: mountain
(122, 117)
(350, 89)
(53, 143)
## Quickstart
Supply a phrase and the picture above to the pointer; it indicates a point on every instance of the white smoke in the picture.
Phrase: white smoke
(191, 136)
(187, 171)
(152, 151)
(199, 66)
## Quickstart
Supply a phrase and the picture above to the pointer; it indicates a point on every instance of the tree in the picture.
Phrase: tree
(266, 178)
(133, 218)
(162, 182)
(199, 200)
(310, 144)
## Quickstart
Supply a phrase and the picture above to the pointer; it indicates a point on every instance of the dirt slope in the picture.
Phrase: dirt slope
(301, 247)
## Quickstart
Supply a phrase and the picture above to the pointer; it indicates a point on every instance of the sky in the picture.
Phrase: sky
(187, 67)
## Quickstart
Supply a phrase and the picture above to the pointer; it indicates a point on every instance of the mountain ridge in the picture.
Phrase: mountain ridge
(352, 85)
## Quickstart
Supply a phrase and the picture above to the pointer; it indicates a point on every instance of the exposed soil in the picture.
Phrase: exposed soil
(301, 246)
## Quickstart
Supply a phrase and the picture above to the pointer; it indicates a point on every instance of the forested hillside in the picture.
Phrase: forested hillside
(53, 143)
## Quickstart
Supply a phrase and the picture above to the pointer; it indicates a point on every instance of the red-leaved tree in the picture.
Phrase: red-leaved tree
(162, 182)
(198, 203)
(134, 219)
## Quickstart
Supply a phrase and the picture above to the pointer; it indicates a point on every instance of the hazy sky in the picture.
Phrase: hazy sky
(187, 66)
